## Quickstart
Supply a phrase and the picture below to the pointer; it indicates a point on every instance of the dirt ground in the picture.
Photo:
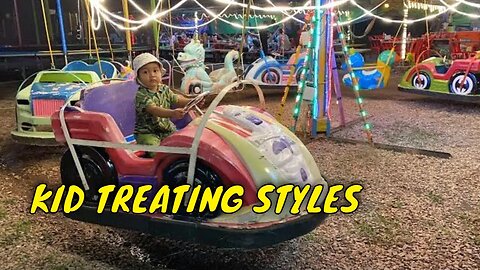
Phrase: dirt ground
(416, 211)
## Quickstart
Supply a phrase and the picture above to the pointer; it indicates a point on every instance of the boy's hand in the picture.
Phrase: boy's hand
(201, 103)
(178, 113)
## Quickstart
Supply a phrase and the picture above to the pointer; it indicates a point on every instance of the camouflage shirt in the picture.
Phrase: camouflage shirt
(147, 123)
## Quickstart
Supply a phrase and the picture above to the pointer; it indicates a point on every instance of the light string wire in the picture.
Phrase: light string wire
(429, 17)
(468, 3)
(99, 11)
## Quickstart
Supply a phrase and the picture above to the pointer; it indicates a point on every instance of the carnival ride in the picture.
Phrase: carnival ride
(457, 79)
(228, 145)
(445, 65)
(44, 92)
(274, 70)
(318, 77)
(225, 146)
(370, 77)
(35, 102)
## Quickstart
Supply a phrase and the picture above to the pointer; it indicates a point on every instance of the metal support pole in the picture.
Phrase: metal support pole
(35, 22)
(62, 29)
(128, 37)
(17, 23)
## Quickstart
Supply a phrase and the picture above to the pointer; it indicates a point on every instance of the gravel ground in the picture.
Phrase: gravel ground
(416, 212)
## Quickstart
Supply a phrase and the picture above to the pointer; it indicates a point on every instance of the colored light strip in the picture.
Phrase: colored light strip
(316, 66)
(301, 84)
(363, 113)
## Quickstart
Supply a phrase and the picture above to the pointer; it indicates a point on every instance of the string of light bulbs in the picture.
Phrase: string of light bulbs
(238, 16)
(99, 11)
(341, 23)
(359, 17)
(99, 8)
(408, 21)
(424, 6)
(105, 14)
(286, 13)
(237, 25)
(279, 9)
(94, 15)
(458, 11)
(152, 17)
(289, 16)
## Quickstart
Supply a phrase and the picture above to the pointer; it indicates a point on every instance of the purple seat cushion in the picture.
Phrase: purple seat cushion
(116, 99)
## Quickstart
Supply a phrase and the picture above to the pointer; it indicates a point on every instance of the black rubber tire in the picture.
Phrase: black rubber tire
(98, 169)
(176, 175)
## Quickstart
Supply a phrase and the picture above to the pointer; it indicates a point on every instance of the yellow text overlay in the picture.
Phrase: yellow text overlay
(292, 198)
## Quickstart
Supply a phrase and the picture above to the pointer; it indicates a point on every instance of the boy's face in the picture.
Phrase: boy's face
(150, 75)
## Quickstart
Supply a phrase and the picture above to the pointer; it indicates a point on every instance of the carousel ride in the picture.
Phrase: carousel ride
(196, 79)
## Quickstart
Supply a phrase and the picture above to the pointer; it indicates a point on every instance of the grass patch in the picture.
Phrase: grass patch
(476, 240)
(58, 261)
(366, 230)
(15, 232)
(3, 213)
(309, 237)
(431, 223)
(464, 217)
(382, 230)
(435, 198)
(23, 227)
(9, 201)
(471, 222)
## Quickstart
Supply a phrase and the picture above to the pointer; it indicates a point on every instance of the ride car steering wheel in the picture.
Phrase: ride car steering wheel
(447, 62)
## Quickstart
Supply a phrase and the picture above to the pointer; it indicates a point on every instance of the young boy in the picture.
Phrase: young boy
(153, 102)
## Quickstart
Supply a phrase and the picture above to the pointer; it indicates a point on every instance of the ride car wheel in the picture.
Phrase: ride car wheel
(470, 84)
(421, 80)
(298, 75)
(271, 76)
(98, 169)
(176, 175)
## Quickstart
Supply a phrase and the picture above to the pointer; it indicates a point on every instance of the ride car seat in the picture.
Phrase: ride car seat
(107, 69)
